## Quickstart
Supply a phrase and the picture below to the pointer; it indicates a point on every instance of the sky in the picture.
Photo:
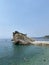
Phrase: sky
(27, 16)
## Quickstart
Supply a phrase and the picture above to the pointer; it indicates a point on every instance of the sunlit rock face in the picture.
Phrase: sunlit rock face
(20, 38)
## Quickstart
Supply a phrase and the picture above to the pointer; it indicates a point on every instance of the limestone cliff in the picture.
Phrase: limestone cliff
(20, 38)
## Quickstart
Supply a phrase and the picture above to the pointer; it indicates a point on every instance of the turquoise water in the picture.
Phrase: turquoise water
(11, 54)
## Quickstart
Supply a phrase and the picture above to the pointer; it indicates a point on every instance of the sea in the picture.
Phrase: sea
(11, 54)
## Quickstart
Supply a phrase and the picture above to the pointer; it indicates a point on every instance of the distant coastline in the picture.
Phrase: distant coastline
(46, 36)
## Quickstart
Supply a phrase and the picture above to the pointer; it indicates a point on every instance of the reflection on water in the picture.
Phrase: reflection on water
(11, 54)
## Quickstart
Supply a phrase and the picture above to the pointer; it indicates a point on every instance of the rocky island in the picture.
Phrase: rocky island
(20, 38)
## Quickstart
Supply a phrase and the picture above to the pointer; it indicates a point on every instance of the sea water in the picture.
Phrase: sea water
(11, 54)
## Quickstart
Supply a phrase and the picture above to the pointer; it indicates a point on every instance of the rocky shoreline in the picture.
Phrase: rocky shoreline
(41, 43)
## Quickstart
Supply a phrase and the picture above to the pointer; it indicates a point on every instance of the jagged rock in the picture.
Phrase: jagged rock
(20, 38)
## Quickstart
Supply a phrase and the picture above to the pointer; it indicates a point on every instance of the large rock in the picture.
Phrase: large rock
(20, 38)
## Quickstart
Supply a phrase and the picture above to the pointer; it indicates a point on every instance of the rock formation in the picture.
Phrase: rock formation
(20, 38)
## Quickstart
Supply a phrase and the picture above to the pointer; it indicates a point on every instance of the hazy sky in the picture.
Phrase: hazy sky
(27, 16)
